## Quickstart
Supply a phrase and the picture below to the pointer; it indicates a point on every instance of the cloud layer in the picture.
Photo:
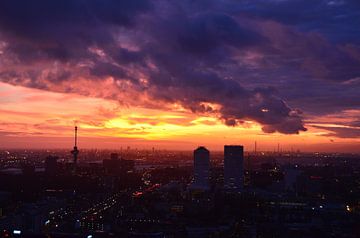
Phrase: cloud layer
(266, 61)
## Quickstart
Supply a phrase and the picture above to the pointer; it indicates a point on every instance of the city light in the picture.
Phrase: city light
(180, 119)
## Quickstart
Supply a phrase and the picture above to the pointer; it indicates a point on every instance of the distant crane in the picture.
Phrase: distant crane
(75, 151)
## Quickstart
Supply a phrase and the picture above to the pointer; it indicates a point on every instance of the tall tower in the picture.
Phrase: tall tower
(234, 167)
(75, 151)
(201, 168)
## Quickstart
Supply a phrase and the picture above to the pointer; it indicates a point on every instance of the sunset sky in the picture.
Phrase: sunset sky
(177, 74)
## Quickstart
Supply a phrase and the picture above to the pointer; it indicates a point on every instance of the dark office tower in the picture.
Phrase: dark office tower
(234, 167)
(201, 168)
(112, 165)
(51, 165)
(116, 165)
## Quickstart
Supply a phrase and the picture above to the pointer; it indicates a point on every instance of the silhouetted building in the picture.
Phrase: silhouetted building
(114, 156)
(114, 165)
(201, 168)
(127, 165)
(111, 165)
(291, 175)
(51, 165)
(233, 167)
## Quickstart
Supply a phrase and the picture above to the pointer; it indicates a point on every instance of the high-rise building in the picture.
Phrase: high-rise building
(234, 167)
(116, 165)
(291, 175)
(201, 168)
(113, 164)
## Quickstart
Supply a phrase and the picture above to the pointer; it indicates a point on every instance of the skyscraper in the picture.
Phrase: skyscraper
(116, 165)
(234, 167)
(201, 168)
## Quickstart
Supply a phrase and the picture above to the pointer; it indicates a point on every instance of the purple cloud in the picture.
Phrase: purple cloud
(341, 132)
(257, 60)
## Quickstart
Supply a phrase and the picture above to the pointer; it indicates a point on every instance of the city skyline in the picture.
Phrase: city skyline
(178, 75)
(51, 139)
(179, 119)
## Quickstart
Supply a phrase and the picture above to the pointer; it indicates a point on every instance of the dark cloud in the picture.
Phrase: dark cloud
(64, 29)
(341, 132)
(249, 60)
(43, 19)
(205, 32)
(318, 97)
(355, 123)
(326, 16)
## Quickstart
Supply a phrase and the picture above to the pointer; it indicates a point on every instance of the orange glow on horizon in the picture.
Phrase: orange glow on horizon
(30, 113)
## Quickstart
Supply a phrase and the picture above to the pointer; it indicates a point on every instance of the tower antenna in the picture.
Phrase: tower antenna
(75, 151)
(75, 136)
